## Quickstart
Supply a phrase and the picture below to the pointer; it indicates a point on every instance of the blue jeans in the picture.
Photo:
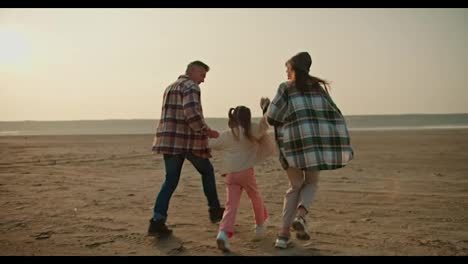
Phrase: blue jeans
(173, 165)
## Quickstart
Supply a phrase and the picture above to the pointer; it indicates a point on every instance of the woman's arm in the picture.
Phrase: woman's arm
(276, 113)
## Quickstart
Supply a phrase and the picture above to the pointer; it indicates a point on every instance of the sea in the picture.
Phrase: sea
(148, 126)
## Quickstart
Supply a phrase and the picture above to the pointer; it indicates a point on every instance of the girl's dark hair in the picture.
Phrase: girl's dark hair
(241, 116)
(232, 122)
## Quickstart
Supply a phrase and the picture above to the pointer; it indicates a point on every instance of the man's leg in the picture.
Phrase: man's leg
(205, 168)
(173, 165)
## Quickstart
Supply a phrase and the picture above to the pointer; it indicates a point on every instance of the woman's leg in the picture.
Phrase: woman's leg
(308, 191)
(291, 198)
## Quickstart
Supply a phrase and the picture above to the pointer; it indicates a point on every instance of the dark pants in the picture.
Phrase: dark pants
(173, 164)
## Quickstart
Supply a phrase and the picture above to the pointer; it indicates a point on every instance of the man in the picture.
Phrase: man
(182, 133)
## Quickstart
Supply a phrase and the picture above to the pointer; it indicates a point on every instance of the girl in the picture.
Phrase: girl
(244, 145)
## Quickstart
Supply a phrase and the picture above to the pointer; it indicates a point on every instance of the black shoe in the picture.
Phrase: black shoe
(158, 228)
(216, 214)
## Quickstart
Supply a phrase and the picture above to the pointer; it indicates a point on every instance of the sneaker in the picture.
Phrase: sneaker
(216, 214)
(261, 229)
(300, 226)
(158, 228)
(282, 242)
(223, 241)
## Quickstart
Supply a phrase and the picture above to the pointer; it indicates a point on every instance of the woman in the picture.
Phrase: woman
(311, 134)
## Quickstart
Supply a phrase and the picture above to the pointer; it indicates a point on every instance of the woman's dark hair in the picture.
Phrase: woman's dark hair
(305, 82)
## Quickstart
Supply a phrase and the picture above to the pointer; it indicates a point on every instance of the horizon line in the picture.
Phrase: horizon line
(128, 119)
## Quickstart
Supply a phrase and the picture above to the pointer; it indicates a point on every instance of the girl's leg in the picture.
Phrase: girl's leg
(233, 195)
(250, 185)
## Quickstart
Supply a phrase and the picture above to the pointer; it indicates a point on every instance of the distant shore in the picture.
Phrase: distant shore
(148, 126)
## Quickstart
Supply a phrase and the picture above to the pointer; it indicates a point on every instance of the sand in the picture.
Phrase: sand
(405, 193)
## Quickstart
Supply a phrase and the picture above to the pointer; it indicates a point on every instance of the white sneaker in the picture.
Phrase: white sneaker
(282, 242)
(223, 241)
(261, 230)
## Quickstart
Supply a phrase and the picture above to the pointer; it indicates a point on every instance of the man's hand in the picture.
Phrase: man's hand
(212, 133)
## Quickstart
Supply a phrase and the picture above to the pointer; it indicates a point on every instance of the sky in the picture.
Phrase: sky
(87, 64)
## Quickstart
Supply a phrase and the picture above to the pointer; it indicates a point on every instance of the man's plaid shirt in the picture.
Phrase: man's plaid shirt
(182, 127)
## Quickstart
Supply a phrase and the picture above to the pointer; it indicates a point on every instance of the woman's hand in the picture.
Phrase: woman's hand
(264, 103)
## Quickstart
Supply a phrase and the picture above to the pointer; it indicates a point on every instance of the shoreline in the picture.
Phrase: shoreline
(383, 129)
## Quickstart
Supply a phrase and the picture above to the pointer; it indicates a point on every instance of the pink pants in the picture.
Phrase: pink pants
(235, 183)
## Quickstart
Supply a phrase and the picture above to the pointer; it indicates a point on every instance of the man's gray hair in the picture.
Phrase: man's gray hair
(197, 63)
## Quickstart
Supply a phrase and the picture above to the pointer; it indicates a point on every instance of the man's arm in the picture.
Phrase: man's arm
(192, 109)
(219, 143)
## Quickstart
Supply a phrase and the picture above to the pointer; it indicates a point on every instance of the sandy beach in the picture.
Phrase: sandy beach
(405, 193)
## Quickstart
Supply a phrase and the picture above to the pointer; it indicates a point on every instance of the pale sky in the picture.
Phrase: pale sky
(72, 64)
